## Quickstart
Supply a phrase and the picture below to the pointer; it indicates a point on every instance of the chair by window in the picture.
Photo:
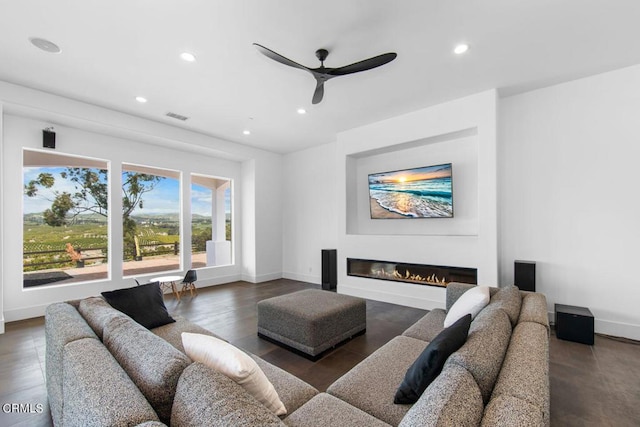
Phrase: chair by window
(188, 283)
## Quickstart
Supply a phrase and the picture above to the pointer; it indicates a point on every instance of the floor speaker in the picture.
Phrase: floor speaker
(329, 269)
(524, 274)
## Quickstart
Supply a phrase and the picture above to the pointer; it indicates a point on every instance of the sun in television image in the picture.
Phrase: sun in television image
(425, 192)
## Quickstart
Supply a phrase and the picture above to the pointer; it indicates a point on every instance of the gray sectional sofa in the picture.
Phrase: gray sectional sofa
(103, 369)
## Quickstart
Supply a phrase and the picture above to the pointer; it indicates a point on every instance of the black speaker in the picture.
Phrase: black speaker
(329, 269)
(48, 138)
(524, 275)
(574, 323)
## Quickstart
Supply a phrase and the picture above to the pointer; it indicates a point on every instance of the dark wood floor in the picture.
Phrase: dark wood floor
(590, 386)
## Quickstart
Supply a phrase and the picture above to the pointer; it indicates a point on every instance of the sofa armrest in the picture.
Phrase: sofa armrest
(62, 325)
(428, 327)
(534, 309)
(97, 391)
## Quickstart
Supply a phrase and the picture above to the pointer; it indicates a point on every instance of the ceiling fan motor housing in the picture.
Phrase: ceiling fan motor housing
(322, 54)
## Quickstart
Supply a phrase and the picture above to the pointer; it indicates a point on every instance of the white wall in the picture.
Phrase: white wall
(84, 129)
(569, 194)
(459, 150)
(1, 221)
(326, 200)
(310, 220)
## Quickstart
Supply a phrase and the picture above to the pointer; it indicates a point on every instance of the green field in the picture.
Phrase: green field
(91, 236)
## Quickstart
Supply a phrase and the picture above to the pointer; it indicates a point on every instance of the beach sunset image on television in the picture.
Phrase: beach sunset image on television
(425, 192)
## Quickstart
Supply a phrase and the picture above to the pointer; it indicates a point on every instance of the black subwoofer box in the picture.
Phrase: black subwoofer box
(329, 269)
(574, 323)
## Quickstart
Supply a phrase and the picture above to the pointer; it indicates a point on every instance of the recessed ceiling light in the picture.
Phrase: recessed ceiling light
(44, 44)
(141, 99)
(302, 111)
(461, 48)
(246, 132)
(189, 57)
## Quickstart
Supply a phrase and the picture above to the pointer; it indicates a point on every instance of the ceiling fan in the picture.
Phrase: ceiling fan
(322, 73)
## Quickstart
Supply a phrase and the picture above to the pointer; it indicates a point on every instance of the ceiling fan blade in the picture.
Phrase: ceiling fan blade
(279, 58)
(367, 64)
(319, 92)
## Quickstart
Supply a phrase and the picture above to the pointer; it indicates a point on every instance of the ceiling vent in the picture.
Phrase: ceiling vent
(177, 116)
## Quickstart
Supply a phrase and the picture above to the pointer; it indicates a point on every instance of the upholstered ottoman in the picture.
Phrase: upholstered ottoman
(311, 321)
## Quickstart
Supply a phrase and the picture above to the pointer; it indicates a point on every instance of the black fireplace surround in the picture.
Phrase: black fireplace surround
(420, 274)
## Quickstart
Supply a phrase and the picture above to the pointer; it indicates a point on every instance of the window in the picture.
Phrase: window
(151, 213)
(210, 221)
(65, 219)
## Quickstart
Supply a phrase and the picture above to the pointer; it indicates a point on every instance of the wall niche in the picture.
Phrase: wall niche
(458, 148)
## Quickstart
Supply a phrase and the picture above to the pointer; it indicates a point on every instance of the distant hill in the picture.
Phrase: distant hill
(38, 218)
(164, 217)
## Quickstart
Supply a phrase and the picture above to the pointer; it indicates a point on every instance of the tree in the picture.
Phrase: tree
(90, 195)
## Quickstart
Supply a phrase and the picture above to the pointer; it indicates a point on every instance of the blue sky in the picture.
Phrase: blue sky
(165, 198)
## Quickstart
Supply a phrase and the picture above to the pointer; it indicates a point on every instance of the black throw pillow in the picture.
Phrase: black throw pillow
(143, 303)
(430, 362)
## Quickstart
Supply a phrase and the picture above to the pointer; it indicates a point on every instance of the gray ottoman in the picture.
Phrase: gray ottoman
(311, 321)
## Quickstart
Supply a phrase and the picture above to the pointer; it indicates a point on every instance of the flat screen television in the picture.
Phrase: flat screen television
(425, 192)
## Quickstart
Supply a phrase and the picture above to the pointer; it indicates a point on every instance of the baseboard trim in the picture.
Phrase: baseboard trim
(262, 278)
(610, 327)
(1, 326)
(25, 312)
(617, 329)
(215, 281)
(409, 301)
(316, 280)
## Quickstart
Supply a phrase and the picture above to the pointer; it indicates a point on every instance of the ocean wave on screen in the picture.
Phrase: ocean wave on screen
(421, 199)
(413, 205)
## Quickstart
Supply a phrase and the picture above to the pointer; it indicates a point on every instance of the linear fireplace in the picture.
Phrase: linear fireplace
(420, 274)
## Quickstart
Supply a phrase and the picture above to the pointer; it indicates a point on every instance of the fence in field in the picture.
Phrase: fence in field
(61, 258)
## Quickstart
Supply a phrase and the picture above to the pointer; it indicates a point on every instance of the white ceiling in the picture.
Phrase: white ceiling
(113, 51)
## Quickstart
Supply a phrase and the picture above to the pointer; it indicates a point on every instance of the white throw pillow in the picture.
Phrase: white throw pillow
(472, 301)
(236, 364)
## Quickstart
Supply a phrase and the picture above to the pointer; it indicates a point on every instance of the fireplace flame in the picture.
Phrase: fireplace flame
(410, 277)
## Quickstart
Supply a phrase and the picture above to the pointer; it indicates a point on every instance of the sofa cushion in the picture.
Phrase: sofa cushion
(453, 399)
(328, 411)
(97, 391)
(293, 392)
(208, 398)
(472, 301)
(153, 364)
(144, 304)
(372, 384)
(430, 362)
(172, 332)
(525, 370)
(62, 325)
(97, 312)
(508, 299)
(236, 364)
(428, 327)
(485, 348)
